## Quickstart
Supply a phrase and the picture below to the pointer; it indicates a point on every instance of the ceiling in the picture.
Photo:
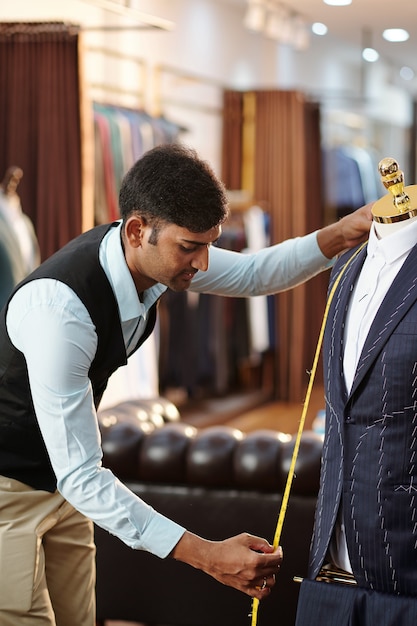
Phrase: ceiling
(348, 24)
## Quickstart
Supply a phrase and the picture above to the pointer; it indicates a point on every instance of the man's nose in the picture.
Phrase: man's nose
(201, 259)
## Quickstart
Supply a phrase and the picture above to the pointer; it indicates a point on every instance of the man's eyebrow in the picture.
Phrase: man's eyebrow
(200, 243)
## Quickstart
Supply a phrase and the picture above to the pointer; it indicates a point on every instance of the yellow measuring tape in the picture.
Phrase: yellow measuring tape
(285, 497)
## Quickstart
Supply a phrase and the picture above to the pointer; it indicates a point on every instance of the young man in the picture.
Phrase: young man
(63, 332)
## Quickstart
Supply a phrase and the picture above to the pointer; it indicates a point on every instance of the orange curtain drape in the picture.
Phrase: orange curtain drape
(281, 168)
(232, 139)
(40, 125)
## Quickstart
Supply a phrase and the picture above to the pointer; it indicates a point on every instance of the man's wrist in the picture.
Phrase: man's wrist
(192, 550)
(331, 240)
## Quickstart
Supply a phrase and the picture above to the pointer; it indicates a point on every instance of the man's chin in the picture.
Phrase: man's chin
(179, 285)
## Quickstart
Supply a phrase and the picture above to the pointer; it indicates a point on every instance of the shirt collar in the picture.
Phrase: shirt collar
(395, 245)
(115, 267)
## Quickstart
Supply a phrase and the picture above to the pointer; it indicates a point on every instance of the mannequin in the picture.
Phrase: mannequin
(365, 521)
(11, 180)
(12, 268)
(11, 209)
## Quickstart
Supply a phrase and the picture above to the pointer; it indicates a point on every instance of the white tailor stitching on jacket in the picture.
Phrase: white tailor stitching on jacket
(386, 417)
(384, 330)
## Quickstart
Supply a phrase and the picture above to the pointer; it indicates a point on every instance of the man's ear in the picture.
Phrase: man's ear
(134, 230)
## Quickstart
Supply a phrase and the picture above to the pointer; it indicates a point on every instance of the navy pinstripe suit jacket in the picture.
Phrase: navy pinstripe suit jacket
(370, 449)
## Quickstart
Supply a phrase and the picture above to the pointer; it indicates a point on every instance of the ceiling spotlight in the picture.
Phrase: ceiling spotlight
(319, 29)
(395, 35)
(406, 73)
(370, 55)
(338, 3)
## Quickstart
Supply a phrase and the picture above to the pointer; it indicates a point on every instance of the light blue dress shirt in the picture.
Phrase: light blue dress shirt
(51, 326)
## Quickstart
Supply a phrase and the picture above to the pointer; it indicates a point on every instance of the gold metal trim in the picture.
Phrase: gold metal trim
(329, 575)
(401, 202)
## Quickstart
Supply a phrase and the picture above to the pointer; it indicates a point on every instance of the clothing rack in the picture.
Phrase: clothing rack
(122, 135)
(103, 91)
(139, 95)
(116, 54)
(113, 28)
(200, 82)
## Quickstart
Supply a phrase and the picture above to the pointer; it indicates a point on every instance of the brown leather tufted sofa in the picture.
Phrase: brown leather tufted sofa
(217, 482)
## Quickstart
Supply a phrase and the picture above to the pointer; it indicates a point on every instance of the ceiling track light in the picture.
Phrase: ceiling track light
(276, 21)
(255, 17)
(338, 3)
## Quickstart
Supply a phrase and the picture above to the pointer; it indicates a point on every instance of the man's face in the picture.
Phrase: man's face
(173, 260)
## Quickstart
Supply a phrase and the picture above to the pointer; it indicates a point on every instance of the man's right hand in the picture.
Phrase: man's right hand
(347, 232)
(245, 562)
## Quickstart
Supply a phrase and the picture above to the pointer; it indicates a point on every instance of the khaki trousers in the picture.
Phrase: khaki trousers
(47, 559)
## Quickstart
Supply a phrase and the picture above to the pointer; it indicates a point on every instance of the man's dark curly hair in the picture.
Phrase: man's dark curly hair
(170, 183)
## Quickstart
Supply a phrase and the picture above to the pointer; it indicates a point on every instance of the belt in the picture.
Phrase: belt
(332, 574)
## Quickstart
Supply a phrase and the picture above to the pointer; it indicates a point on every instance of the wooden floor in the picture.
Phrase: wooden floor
(252, 412)
(283, 416)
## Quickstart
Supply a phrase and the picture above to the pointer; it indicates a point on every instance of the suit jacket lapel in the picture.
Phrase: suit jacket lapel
(397, 302)
(337, 314)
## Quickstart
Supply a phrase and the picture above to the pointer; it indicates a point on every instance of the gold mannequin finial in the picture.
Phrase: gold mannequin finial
(401, 202)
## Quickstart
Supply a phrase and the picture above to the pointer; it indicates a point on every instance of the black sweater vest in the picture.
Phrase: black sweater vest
(23, 455)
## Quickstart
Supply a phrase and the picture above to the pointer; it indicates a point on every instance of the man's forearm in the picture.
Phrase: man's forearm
(331, 240)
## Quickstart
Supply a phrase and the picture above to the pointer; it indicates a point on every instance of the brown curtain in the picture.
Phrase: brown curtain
(316, 288)
(232, 139)
(284, 176)
(40, 125)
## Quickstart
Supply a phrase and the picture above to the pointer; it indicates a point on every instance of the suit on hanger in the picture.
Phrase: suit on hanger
(369, 462)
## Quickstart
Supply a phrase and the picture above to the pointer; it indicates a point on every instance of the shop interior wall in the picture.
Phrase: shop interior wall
(182, 73)
(210, 48)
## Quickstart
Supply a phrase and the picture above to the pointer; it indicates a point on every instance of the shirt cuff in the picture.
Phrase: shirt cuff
(160, 537)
